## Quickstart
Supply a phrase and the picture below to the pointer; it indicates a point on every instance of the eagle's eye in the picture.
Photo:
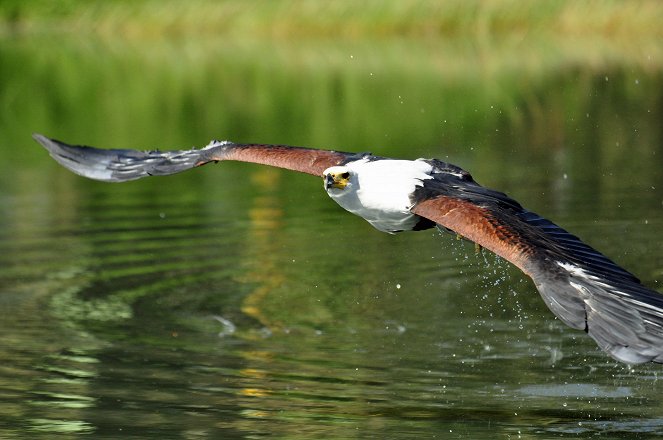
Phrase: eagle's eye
(345, 175)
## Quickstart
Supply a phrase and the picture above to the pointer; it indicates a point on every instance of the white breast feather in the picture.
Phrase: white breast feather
(379, 191)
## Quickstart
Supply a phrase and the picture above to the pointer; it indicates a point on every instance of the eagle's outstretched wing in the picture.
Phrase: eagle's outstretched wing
(124, 165)
(585, 289)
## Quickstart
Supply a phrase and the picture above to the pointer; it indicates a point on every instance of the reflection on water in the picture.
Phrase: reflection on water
(119, 300)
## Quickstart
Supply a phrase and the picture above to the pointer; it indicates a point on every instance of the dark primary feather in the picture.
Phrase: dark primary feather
(584, 288)
(121, 165)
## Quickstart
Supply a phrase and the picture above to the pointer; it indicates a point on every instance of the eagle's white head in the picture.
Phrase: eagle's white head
(378, 190)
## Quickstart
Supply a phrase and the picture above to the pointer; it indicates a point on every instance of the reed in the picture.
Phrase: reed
(341, 18)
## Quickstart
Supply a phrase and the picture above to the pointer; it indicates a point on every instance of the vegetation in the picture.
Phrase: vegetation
(613, 20)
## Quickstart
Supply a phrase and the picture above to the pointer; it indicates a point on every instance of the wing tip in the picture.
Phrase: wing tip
(51, 145)
(43, 140)
(84, 161)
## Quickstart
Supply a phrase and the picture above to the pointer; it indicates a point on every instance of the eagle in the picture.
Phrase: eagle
(582, 287)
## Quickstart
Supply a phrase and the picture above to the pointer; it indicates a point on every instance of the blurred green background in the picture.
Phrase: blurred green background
(396, 77)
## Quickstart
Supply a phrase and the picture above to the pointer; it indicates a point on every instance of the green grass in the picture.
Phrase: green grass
(613, 20)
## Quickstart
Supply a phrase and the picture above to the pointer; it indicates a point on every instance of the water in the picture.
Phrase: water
(237, 301)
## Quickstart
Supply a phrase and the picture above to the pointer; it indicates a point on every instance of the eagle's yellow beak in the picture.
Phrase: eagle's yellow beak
(337, 180)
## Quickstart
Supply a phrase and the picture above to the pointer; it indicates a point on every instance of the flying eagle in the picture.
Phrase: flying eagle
(582, 287)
